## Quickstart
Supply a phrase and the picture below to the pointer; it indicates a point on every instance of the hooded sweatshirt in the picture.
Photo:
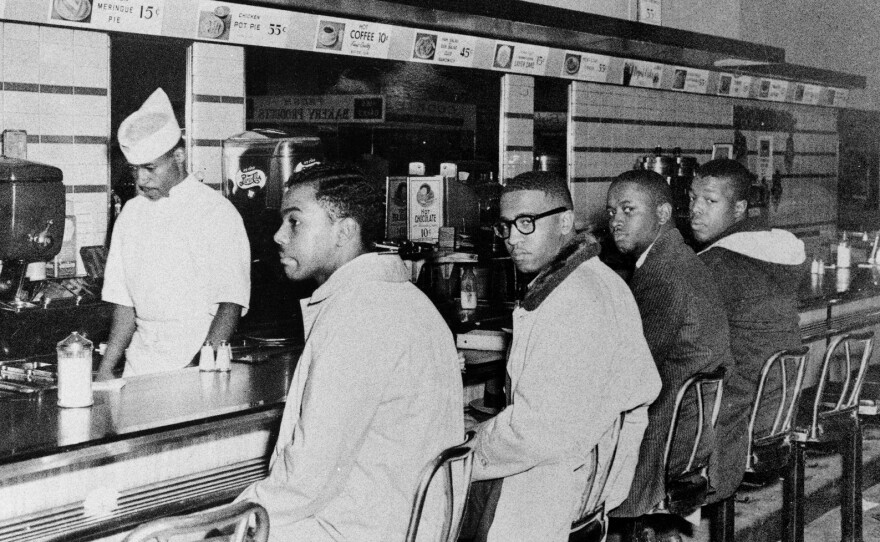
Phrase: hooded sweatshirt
(757, 271)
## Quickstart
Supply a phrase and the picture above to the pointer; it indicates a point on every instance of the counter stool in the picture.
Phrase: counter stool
(456, 494)
(687, 489)
(830, 414)
(591, 524)
(238, 514)
(772, 453)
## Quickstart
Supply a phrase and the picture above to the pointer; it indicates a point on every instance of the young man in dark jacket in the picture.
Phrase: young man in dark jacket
(758, 271)
(686, 328)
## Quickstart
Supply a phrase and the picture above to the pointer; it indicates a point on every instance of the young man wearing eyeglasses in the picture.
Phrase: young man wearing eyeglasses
(578, 361)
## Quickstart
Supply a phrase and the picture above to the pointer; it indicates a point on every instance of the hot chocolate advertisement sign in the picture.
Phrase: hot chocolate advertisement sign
(425, 202)
(141, 16)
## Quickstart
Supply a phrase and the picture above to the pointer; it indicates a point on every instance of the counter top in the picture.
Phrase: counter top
(838, 286)
(34, 426)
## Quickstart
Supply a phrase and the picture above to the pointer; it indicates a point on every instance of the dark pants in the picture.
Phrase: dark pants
(480, 510)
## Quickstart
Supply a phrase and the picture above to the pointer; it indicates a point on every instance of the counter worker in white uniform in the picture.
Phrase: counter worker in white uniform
(178, 270)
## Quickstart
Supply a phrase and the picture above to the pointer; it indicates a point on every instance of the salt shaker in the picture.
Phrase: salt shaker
(224, 357)
(75, 371)
(206, 358)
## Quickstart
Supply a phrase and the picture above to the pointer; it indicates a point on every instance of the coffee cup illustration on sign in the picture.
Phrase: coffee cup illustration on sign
(72, 10)
(330, 34)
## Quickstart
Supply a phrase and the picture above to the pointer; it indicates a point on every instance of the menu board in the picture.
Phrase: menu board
(141, 16)
(637, 73)
(778, 90)
(650, 12)
(586, 66)
(443, 48)
(839, 96)
(690, 80)
(235, 23)
(425, 198)
(811, 94)
(736, 86)
(349, 37)
(318, 109)
(520, 58)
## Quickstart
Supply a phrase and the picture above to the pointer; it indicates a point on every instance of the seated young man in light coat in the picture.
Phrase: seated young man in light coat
(578, 364)
(377, 391)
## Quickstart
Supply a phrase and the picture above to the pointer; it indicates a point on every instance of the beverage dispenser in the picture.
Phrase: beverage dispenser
(256, 166)
(32, 208)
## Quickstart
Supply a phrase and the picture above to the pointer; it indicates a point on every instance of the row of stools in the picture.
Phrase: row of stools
(822, 415)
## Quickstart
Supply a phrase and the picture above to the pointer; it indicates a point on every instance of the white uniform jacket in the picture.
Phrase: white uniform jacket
(174, 260)
(375, 396)
(576, 362)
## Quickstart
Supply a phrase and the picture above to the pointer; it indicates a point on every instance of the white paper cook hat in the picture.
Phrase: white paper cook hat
(151, 131)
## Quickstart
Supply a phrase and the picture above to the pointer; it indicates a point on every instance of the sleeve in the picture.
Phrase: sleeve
(344, 389)
(115, 288)
(226, 258)
(663, 308)
(566, 397)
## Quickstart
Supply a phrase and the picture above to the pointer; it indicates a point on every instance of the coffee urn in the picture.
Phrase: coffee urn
(678, 171)
(32, 207)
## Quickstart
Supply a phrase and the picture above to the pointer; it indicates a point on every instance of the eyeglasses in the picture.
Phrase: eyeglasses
(525, 224)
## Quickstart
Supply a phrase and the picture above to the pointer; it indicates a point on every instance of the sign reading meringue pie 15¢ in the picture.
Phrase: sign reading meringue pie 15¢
(140, 16)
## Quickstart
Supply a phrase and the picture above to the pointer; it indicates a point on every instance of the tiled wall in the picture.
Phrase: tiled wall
(215, 105)
(56, 87)
(611, 127)
(516, 134)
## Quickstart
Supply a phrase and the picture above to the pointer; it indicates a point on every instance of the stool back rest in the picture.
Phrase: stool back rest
(786, 361)
(237, 514)
(601, 463)
(851, 388)
(713, 380)
(461, 455)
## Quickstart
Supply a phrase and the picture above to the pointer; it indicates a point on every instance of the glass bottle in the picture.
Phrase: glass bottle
(468, 288)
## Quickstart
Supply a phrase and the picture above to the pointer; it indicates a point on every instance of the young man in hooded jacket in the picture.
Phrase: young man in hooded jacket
(758, 271)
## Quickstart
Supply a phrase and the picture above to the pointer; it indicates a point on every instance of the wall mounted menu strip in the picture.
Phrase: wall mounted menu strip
(233, 23)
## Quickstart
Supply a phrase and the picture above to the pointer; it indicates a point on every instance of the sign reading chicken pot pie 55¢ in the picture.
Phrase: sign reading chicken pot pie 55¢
(140, 16)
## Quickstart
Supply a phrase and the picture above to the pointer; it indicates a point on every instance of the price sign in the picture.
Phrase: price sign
(737, 86)
(811, 94)
(442, 48)
(2, 8)
(585, 67)
(520, 58)
(778, 90)
(139, 16)
(637, 73)
(356, 38)
(650, 11)
(250, 25)
(841, 95)
(690, 80)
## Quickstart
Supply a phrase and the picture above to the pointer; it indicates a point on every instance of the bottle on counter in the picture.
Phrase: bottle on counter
(468, 288)
(844, 254)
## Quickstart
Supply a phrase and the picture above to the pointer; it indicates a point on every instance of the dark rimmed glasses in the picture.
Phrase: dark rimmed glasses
(525, 224)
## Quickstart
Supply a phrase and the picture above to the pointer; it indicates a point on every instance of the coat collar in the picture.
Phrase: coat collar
(577, 251)
(370, 267)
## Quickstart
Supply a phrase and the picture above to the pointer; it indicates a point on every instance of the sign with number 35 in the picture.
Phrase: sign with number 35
(649, 11)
